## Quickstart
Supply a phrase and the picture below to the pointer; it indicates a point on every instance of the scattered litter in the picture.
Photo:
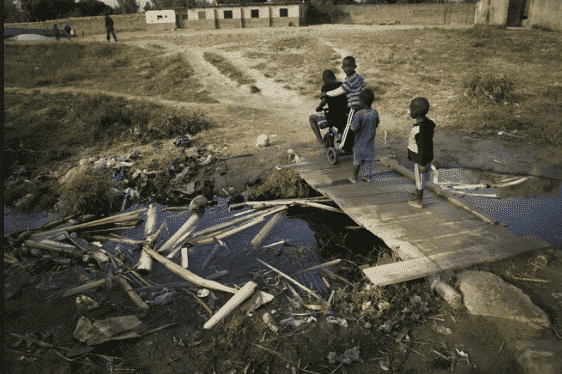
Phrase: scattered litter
(350, 356)
(183, 141)
(270, 322)
(101, 331)
(83, 303)
(337, 320)
(262, 141)
(203, 293)
(258, 299)
(442, 329)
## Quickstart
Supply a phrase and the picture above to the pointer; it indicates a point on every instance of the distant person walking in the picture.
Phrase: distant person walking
(67, 28)
(109, 28)
(57, 32)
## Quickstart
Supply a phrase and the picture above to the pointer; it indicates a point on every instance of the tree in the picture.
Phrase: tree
(90, 8)
(42, 10)
(11, 12)
(147, 6)
(127, 6)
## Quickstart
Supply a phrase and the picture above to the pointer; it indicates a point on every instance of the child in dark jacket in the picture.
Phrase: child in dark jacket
(420, 146)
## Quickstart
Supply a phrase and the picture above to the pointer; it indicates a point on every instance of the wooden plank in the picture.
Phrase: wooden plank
(366, 189)
(429, 228)
(435, 188)
(462, 239)
(378, 199)
(424, 266)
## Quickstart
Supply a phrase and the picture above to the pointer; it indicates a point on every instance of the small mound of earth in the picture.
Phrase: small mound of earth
(30, 38)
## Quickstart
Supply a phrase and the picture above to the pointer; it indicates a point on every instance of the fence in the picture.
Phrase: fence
(408, 14)
(90, 25)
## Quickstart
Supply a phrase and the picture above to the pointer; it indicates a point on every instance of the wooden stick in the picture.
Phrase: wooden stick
(116, 238)
(289, 279)
(103, 221)
(232, 304)
(199, 301)
(237, 220)
(217, 274)
(184, 258)
(34, 244)
(210, 239)
(493, 196)
(188, 275)
(187, 227)
(213, 252)
(321, 206)
(132, 294)
(274, 244)
(87, 287)
(334, 262)
(267, 228)
(144, 265)
(279, 202)
(511, 183)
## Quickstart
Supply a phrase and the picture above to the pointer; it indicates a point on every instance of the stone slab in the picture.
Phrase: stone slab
(488, 295)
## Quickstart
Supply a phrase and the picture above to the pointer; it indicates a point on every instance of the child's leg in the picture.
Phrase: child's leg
(355, 171)
(315, 128)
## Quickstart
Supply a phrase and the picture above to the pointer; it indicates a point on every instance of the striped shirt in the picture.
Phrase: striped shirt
(352, 87)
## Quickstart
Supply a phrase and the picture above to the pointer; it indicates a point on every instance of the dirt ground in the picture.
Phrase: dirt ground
(282, 114)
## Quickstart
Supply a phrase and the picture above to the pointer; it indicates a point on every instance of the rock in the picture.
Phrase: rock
(539, 356)
(486, 294)
(263, 141)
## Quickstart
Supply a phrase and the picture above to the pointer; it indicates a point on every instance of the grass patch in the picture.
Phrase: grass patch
(227, 68)
(102, 66)
(41, 130)
(281, 184)
(89, 192)
(489, 88)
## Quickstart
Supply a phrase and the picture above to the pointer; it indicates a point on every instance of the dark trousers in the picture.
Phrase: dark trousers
(111, 32)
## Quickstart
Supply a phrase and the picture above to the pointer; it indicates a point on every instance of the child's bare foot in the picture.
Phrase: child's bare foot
(353, 180)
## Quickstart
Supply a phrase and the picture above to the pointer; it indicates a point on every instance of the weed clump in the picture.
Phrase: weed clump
(88, 191)
(281, 184)
(488, 88)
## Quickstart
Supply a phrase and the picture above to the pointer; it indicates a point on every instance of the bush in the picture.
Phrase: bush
(88, 192)
(488, 88)
(323, 11)
(281, 184)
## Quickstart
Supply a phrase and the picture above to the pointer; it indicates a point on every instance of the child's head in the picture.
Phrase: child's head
(328, 76)
(419, 107)
(348, 65)
(366, 98)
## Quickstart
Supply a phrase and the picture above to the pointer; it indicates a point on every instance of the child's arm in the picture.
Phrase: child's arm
(322, 104)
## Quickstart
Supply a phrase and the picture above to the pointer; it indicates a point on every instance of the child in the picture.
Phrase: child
(337, 107)
(420, 146)
(109, 27)
(57, 32)
(364, 124)
(351, 87)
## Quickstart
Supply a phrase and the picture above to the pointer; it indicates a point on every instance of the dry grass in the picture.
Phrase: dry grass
(227, 68)
(102, 66)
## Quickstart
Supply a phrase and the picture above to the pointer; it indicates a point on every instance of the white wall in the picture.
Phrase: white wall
(166, 16)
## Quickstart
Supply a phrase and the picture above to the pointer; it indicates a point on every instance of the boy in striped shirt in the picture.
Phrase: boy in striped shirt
(351, 87)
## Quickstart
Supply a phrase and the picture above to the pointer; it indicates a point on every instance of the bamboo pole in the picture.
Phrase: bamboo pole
(321, 206)
(232, 304)
(34, 244)
(188, 275)
(210, 239)
(197, 208)
(132, 294)
(87, 286)
(211, 255)
(144, 265)
(184, 258)
(267, 228)
(280, 202)
(290, 279)
(117, 239)
(318, 266)
(237, 220)
(103, 221)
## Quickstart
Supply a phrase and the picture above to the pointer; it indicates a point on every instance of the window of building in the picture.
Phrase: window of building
(158, 17)
(283, 12)
(227, 14)
(202, 15)
(255, 13)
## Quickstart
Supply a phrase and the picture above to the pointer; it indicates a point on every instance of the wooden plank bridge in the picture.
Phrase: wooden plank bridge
(446, 234)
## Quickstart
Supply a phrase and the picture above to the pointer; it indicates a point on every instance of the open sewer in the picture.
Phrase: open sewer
(33, 302)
